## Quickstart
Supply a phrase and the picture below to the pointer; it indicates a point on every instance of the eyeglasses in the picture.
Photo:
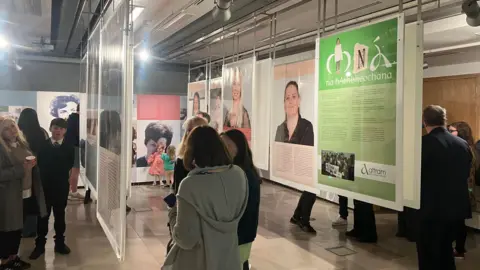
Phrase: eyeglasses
(452, 130)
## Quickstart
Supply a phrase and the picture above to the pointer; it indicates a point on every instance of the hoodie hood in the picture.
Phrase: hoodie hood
(218, 194)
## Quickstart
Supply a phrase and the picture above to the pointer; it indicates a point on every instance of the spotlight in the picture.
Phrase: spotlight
(4, 44)
(222, 10)
(144, 55)
(472, 10)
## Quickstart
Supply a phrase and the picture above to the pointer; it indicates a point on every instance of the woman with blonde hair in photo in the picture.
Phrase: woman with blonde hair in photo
(237, 116)
(21, 192)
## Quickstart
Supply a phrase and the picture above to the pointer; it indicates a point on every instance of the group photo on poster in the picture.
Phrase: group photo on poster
(51, 105)
(217, 110)
(292, 145)
(197, 101)
(338, 164)
(238, 95)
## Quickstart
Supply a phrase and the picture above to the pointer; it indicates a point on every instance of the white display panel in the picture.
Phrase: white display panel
(292, 125)
(261, 113)
(412, 98)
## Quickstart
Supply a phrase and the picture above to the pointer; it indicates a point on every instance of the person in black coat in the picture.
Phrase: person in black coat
(446, 162)
(55, 160)
(237, 145)
(73, 137)
(35, 135)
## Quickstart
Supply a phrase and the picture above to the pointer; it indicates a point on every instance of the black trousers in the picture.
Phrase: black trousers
(57, 206)
(304, 207)
(343, 209)
(9, 243)
(408, 224)
(461, 237)
(364, 221)
(434, 245)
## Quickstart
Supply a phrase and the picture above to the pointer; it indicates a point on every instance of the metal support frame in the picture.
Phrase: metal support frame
(419, 10)
(274, 34)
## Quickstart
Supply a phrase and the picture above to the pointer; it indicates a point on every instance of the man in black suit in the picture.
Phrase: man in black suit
(446, 162)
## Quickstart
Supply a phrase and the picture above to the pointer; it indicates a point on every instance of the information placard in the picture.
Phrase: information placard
(359, 113)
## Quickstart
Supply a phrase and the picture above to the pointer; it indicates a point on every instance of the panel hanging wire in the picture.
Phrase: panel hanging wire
(336, 14)
(274, 35)
(419, 10)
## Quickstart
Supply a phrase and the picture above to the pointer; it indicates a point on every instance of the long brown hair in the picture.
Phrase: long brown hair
(205, 148)
(244, 158)
(464, 131)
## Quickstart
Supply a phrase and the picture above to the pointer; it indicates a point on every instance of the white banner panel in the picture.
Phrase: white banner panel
(292, 152)
(412, 114)
(261, 113)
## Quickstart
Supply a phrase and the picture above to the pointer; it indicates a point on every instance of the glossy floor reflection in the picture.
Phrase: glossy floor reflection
(279, 245)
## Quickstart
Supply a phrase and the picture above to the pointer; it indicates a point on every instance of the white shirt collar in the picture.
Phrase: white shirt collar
(60, 142)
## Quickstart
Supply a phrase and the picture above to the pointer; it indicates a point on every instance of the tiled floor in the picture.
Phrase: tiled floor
(279, 245)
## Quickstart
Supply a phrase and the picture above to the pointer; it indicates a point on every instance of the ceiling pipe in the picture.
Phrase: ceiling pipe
(451, 48)
(78, 12)
(408, 6)
(359, 20)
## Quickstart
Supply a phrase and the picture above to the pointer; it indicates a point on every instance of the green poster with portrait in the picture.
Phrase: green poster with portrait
(357, 111)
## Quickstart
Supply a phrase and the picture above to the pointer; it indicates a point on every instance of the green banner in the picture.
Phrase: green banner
(357, 110)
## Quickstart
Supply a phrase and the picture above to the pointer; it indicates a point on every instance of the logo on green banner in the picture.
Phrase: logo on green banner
(363, 56)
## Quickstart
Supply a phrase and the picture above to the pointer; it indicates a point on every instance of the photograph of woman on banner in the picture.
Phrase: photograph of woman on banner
(196, 104)
(237, 116)
(295, 129)
(156, 133)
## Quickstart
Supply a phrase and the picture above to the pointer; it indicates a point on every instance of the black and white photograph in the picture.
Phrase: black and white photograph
(338, 164)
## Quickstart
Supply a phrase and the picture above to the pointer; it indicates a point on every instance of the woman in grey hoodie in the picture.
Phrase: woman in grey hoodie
(210, 202)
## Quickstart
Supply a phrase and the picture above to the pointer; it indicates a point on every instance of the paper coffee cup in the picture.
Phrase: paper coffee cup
(30, 158)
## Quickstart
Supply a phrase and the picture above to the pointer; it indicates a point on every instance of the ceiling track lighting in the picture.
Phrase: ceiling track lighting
(472, 10)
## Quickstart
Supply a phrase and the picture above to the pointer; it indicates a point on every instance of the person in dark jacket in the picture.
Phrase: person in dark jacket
(444, 200)
(55, 160)
(237, 145)
(464, 131)
(35, 135)
(73, 137)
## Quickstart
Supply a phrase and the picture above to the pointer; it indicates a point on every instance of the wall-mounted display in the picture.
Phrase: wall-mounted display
(158, 126)
(359, 123)
(238, 95)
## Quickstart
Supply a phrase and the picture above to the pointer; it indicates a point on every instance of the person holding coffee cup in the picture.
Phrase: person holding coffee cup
(21, 192)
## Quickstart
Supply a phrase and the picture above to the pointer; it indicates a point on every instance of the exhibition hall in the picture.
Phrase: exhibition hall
(240, 134)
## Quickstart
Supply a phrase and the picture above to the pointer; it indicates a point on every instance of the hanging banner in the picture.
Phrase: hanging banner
(217, 110)
(359, 113)
(238, 83)
(197, 98)
(292, 146)
(159, 125)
